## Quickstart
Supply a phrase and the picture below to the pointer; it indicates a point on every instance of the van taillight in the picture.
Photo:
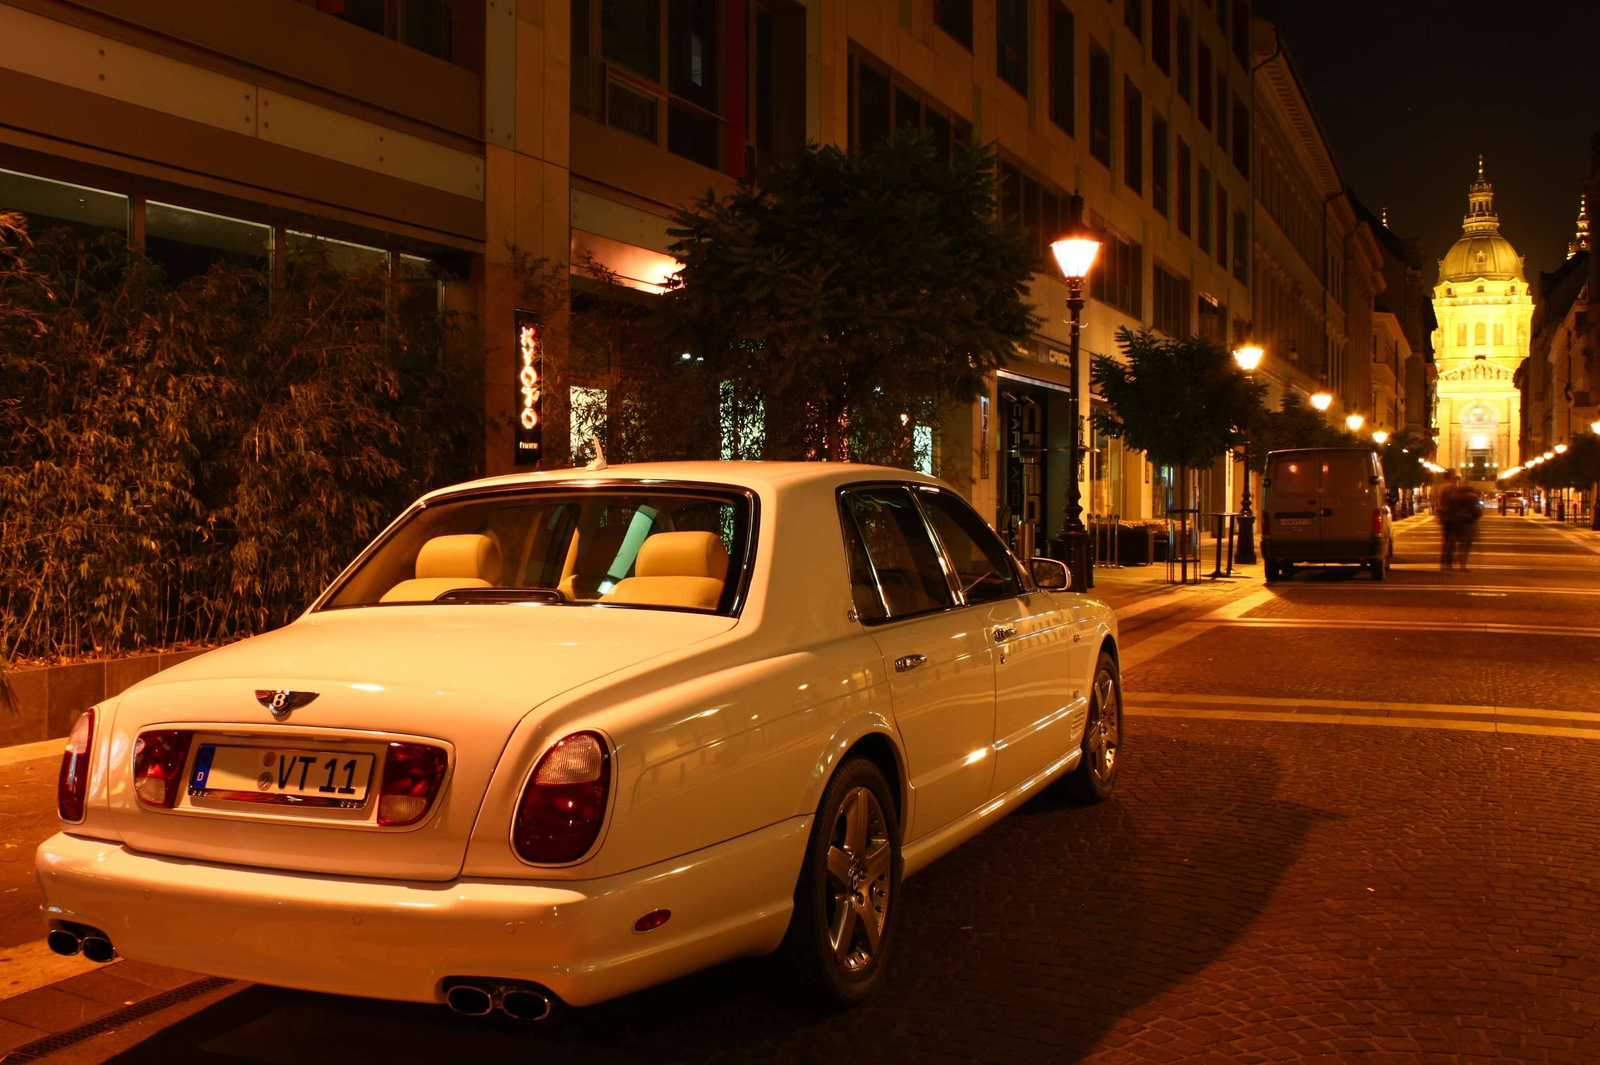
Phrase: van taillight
(564, 804)
(1377, 520)
(72, 786)
(158, 761)
(412, 775)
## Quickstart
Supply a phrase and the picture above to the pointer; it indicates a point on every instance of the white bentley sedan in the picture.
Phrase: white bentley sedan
(557, 737)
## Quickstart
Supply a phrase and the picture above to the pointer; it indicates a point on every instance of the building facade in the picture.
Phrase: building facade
(1484, 309)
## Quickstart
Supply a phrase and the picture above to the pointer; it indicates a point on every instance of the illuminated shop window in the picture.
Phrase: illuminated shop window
(186, 243)
(341, 253)
(45, 202)
(587, 420)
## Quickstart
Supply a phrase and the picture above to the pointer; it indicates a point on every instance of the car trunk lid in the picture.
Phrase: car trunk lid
(458, 678)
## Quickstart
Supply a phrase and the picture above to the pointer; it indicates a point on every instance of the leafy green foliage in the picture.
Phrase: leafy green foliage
(1182, 402)
(1294, 424)
(1400, 466)
(853, 295)
(195, 462)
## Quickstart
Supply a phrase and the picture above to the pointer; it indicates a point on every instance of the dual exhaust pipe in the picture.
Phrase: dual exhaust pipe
(90, 942)
(519, 1001)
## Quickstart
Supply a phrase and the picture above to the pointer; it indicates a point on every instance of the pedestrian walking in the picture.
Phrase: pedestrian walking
(1458, 512)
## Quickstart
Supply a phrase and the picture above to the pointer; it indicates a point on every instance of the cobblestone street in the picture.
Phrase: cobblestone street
(1357, 821)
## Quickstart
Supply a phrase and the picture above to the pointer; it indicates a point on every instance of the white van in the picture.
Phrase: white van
(1325, 505)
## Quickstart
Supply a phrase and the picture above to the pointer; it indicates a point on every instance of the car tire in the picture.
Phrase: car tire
(849, 885)
(1379, 568)
(1102, 745)
(1273, 572)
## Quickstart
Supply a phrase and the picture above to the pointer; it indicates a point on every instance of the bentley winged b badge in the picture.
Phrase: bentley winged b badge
(281, 702)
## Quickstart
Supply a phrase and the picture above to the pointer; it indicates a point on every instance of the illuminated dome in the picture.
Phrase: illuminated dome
(1481, 252)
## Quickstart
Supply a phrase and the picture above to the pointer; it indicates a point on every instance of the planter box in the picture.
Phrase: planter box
(42, 702)
(1141, 545)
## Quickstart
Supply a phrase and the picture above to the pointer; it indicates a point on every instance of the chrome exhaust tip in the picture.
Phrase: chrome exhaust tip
(98, 948)
(64, 942)
(525, 1003)
(470, 1001)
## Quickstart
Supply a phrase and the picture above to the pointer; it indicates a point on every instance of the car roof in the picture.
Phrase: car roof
(764, 477)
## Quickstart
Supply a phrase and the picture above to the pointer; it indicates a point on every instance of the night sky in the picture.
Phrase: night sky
(1410, 93)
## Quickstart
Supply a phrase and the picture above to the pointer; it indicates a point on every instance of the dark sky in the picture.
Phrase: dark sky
(1411, 91)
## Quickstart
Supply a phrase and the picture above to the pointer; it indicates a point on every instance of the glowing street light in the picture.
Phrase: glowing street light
(1549, 454)
(1321, 401)
(1594, 427)
(1354, 422)
(1075, 251)
(1248, 356)
(1561, 449)
(1380, 437)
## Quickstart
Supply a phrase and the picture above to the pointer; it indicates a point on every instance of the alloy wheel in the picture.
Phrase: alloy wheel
(858, 879)
(1104, 730)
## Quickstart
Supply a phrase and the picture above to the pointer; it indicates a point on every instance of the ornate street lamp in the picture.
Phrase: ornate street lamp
(1354, 422)
(1321, 400)
(1561, 449)
(1248, 357)
(1380, 437)
(1075, 251)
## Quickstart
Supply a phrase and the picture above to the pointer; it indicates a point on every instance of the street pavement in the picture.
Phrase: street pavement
(1357, 822)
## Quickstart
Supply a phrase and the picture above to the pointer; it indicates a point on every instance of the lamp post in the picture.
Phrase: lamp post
(1075, 250)
(1248, 357)
(1594, 495)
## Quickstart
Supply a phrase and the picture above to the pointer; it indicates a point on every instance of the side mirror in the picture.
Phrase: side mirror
(1050, 575)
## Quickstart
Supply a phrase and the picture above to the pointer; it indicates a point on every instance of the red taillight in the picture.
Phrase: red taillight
(158, 761)
(73, 784)
(1377, 520)
(563, 806)
(411, 777)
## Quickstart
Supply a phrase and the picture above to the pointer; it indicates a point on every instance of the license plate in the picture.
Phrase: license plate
(289, 776)
(1295, 523)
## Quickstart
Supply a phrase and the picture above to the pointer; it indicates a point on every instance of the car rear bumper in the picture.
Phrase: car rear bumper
(1276, 549)
(401, 939)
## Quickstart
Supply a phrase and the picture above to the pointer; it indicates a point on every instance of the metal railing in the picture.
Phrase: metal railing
(1103, 539)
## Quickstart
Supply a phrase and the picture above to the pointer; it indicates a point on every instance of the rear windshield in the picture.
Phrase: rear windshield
(650, 547)
(1347, 472)
(1339, 472)
(1300, 474)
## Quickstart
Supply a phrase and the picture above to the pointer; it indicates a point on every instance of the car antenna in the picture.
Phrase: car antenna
(599, 460)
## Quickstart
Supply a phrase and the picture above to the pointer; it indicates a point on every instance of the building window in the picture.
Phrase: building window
(1132, 135)
(586, 420)
(186, 243)
(879, 104)
(1241, 247)
(1222, 110)
(1161, 34)
(1202, 200)
(1118, 280)
(1499, 334)
(1202, 102)
(1159, 163)
(1184, 191)
(1479, 335)
(1011, 43)
(1133, 17)
(620, 50)
(1241, 32)
(344, 254)
(1241, 137)
(426, 25)
(1461, 334)
(1184, 44)
(1169, 302)
(1031, 203)
(1100, 104)
(1213, 320)
(1222, 17)
(955, 18)
(1063, 101)
(45, 203)
(1222, 226)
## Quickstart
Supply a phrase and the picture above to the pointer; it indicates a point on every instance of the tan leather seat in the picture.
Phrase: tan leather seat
(677, 569)
(599, 552)
(468, 560)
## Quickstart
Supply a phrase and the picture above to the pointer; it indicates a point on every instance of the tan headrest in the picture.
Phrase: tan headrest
(466, 555)
(683, 554)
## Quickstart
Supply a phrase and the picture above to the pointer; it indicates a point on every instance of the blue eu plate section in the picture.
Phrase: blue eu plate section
(202, 765)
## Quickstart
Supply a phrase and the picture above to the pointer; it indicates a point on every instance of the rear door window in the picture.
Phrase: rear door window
(1347, 473)
(1296, 475)
(904, 564)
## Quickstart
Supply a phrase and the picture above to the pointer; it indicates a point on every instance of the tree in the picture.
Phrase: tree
(1293, 424)
(852, 295)
(1181, 402)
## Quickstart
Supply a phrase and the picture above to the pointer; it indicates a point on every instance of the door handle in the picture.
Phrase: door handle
(906, 663)
(1002, 633)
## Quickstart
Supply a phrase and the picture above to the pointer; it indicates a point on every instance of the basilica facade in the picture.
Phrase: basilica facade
(1483, 308)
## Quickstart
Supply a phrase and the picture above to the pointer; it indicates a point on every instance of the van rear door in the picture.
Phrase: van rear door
(1348, 500)
(1294, 500)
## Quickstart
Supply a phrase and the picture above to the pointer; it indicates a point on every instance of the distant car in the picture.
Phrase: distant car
(1514, 501)
(562, 736)
(1326, 506)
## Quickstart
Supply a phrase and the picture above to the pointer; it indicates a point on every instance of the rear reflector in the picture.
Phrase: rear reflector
(72, 786)
(158, 763)
(564, 804)
(412, 775)
(652, 920)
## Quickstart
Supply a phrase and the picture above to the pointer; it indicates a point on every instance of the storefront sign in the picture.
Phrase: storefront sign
(530, 382)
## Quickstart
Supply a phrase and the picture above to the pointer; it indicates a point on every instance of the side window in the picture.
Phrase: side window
(900, 552)
(981, 560)
(863, 585)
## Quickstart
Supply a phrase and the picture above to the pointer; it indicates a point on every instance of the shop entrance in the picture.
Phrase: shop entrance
(1034, 419)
